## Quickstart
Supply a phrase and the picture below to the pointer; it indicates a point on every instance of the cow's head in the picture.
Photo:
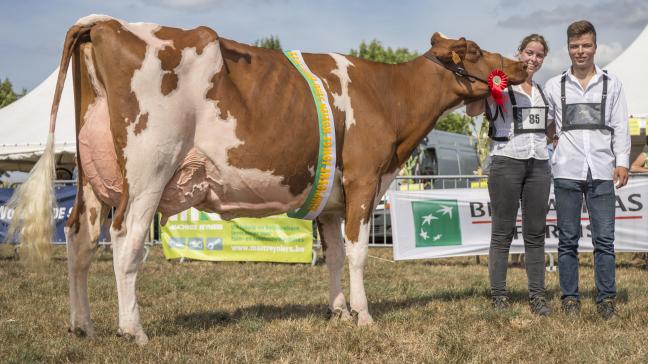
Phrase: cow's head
(465, 56)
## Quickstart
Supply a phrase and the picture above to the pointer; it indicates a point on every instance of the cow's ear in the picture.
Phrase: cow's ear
(458, 50)
(449, 50)
(436, 38)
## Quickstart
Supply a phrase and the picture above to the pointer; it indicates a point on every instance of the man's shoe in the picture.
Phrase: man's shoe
(571, 306)
(539, 306)
(607, 309)
(500, 303)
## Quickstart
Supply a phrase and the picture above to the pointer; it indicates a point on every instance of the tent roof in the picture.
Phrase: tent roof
(629, 66)
(24, 125)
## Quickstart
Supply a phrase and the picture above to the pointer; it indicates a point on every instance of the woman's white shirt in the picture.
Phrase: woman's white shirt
(524, 145)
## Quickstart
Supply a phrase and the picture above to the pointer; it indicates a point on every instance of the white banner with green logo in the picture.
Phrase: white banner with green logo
(203, 236)
(456, 222)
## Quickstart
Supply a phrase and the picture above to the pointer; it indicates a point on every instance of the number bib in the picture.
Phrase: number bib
(530, 119)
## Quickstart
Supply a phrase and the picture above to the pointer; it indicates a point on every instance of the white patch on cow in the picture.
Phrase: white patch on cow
(93, 19)
(94, 80)
(443, 35)
(354, 249)
(167, 114)
(363, 207)
(357, 252)
(146, 32)
(343, 101)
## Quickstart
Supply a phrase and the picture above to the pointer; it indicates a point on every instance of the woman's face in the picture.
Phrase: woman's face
(532, 55)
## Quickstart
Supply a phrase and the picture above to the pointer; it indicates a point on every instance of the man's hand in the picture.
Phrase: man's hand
(620, 176)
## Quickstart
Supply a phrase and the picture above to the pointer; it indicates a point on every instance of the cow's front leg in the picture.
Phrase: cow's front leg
(359, 203)
(331, 235)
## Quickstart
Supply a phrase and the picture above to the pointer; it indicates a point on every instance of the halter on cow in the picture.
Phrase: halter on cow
(170, 118)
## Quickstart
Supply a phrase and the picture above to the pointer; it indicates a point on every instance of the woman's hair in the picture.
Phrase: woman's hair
(533, 38)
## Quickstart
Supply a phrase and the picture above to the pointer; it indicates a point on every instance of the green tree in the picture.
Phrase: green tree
(271, 42)
(7, 94)
(456, 123)
(375, 51)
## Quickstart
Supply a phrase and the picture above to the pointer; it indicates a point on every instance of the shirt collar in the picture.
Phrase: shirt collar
(595, 78)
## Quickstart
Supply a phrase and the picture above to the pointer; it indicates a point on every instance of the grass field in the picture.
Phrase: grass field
(425, 311)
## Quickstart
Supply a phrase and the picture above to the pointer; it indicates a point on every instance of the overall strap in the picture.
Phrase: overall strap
(562, 96)
(604, 97)
(512, 96)
(544, 99)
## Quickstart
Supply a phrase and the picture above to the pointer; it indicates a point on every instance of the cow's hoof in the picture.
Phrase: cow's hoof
(364, 318)
(81, 332)
(139, 338)
(338, 314)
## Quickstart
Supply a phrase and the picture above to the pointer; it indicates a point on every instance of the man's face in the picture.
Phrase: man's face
(581, 50)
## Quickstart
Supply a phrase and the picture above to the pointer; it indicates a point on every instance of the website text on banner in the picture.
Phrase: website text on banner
(198, 235)
(456, 222)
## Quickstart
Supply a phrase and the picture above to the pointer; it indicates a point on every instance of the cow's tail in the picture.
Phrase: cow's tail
(33, 201)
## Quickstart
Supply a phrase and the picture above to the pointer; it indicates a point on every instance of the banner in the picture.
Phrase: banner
(65, 196)
(203, 236)
(456, 222)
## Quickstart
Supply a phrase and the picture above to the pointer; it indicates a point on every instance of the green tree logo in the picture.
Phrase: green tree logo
(437, 223)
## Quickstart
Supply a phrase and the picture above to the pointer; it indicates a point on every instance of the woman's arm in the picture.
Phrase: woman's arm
(638, 164)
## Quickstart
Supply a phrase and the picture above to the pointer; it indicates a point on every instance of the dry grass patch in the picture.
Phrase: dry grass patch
(425, 311)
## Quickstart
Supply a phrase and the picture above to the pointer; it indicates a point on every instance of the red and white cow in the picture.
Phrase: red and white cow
(170, 118)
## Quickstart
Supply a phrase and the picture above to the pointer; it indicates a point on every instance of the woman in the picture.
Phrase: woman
(519, 171)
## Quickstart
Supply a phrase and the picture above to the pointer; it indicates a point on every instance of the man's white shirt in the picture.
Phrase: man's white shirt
(597, 150)
(523, 145)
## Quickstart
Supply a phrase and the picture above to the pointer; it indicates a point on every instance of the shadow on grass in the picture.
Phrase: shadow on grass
(261, 313)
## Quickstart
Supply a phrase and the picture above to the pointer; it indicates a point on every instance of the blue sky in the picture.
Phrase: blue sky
(32, 32)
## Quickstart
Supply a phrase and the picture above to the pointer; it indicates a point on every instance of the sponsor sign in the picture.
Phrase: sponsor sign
(456, 222)
(205, 236)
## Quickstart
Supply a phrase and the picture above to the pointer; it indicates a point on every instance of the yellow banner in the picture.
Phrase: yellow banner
(634, 126)
(198, 235)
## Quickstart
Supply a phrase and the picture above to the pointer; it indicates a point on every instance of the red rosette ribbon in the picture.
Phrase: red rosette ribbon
(497, 81)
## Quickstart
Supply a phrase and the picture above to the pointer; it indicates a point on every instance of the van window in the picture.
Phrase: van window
(448, 161)
(428, 165)
(468, 161)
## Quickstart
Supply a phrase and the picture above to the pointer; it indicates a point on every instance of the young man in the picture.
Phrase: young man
(591, 158)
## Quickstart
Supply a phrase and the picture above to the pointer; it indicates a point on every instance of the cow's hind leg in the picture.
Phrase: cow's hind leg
(82, 234)
(128, 254)
(331, 234)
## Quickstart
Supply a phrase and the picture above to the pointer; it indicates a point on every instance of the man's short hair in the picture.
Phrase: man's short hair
(581, 27)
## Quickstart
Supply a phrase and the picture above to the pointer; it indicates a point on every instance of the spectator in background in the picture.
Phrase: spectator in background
(640, 164)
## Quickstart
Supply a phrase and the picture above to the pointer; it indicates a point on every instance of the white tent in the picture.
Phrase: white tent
(630, 67)
(24, 125)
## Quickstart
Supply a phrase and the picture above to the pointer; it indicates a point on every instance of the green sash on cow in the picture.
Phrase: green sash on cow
(325, 170)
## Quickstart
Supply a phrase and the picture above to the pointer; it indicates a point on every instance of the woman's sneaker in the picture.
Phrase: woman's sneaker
(500, 303)
(539, 306)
